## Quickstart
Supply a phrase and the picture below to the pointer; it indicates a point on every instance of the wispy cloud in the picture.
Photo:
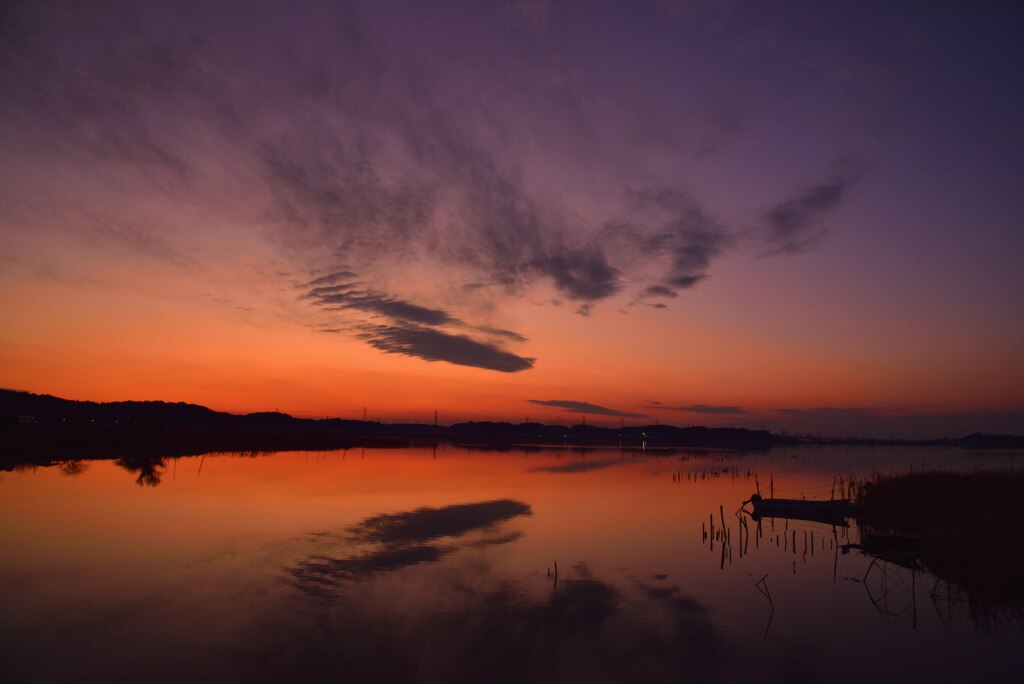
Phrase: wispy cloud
(795, 224)
(581, 274)
(668, 231)
(345, 157)
(585, 407)
(659, 291)
(333, 278)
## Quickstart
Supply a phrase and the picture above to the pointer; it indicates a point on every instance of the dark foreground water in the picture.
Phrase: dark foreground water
(439, 565)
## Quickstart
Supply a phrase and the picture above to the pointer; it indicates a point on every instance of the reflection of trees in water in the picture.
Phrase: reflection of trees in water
(72, 468)
(149, 468)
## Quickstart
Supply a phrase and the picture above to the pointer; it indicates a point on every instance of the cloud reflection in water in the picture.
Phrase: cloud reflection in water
(577, 466)
(458, 617)
(398, 540)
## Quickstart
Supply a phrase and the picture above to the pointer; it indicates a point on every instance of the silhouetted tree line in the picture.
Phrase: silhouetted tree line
(34, 426)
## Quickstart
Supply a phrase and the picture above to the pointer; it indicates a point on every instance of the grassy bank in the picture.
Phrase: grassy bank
(970, 528)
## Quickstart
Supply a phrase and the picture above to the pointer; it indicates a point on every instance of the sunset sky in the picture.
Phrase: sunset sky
(804, 216)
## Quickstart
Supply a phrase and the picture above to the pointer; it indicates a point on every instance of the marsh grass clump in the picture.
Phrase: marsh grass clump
(970, 528)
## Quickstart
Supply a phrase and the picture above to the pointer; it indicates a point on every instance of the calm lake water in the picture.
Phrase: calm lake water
(439, 565)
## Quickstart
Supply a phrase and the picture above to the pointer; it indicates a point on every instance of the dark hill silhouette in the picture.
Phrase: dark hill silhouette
(43, 425)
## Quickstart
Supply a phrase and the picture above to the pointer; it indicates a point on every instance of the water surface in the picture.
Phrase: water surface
(440, 565)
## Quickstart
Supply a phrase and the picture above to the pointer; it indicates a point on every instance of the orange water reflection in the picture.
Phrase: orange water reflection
(438, 564)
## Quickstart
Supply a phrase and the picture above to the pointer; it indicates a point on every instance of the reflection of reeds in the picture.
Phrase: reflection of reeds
(968, 527)
(762, 586)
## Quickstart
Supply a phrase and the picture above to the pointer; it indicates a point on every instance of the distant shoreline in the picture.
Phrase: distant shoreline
(34, 426)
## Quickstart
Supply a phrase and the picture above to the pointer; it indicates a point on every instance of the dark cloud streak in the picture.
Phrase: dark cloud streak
(411, 329)
(585, 407)
(435, 345)
(342, 297)
(335, 278)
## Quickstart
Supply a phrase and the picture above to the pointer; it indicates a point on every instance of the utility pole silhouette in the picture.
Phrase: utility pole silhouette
(364, 413)
(435, 417)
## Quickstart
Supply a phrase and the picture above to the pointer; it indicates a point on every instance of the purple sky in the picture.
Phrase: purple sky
(808, 212)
